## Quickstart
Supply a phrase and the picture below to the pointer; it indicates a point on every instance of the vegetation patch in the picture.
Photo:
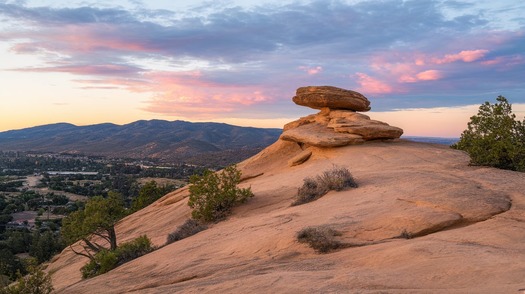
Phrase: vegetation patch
(189, 228)
(494, 137)
(213, 195)
(37, 281)
(406, 234)
(106, 260)
(321, 239)
(337, 179)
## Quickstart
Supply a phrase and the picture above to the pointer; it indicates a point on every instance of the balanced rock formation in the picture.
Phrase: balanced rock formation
(331, 97)
(338, 123)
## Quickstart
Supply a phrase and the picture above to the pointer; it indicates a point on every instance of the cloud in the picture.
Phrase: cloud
(224, 59)
(429, 75)
(311, 70)
(367, 84)
(465, 56)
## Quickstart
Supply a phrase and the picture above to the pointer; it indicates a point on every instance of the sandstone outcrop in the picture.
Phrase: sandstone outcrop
(331, 97)
(338, 123)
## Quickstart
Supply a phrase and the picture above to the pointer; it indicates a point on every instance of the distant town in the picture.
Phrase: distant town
(37, 190)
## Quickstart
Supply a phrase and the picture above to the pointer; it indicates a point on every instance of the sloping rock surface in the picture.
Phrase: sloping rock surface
(421, 221)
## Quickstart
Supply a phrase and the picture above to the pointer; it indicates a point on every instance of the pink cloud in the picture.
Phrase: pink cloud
(429, 75)
(188, 94)
(371, 85)
(465, 56)
(311, 70)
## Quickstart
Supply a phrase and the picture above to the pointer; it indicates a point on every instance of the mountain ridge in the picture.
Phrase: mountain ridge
(144, 139)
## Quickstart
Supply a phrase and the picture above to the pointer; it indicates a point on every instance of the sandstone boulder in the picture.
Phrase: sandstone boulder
(338, 123)
(320, 136)
(318, 97)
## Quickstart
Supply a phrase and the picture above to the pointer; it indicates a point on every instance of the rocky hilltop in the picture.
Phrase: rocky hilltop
(421, 221)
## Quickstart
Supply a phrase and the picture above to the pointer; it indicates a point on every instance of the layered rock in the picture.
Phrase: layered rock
(338, 123)
(331, 97)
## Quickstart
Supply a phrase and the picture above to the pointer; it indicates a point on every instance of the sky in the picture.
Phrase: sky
(425, 65)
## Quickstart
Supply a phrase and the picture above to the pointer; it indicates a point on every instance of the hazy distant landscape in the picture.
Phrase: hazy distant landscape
(206, 144)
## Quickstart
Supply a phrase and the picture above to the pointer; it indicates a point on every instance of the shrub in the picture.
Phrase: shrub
(106, 260)
(322, 238)
(213, 195)
(36, 282)
(337, 178)
(134, 249)
(189, 228)
(494, 137)
(405, 234)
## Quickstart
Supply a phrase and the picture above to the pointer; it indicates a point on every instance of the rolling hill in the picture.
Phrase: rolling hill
(165, 140)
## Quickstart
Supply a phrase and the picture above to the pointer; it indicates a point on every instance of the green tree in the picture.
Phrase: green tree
(36, 282)
(148, 194)
(10, 264)
(213, 195)
(45, 245)
(98, 218)
(494, 137)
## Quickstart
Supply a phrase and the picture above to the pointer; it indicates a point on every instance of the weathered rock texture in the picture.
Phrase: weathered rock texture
(422, 221)
(335, 98)
(337, 124)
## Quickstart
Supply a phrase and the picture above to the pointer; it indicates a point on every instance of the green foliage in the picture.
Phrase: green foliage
(18, 241)
(322, 238)
(103, 262)
(148, 194)
(36, 282)
(97, 218)
(337, 178)
(10, 264)
(189, 228)
(213, 195)
(45, 245)
(494, 137)
(106, 260)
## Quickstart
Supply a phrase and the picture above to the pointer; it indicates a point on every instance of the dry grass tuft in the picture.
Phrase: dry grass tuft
(189, 228)
(322, 238)
(337, 179)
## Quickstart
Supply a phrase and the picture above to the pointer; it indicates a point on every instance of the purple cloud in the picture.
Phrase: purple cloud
(400, 53)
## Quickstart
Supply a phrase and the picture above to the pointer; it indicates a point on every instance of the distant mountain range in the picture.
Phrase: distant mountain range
(434, 140)
(211, 144)
(173, 141)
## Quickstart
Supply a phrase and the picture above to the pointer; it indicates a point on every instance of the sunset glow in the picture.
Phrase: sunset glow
(422, 64)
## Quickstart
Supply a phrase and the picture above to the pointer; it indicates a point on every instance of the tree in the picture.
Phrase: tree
(36, 282)
(44, 245)
(98, 218)
(494, 137)
(213, 195)
(148, 194)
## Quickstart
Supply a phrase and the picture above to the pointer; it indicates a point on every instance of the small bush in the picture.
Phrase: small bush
(405, 234)
(189, 228)
(337, 178)
(134, 249)
(322, 238)
(36, 282)
(106, 260)
(213, 195)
